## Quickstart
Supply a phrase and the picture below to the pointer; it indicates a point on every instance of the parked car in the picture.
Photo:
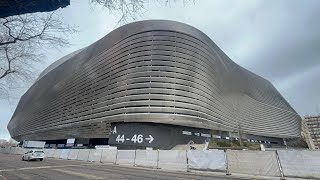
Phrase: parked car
(33, 155)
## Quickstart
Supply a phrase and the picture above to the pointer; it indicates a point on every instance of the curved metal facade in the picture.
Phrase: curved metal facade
(151, 71)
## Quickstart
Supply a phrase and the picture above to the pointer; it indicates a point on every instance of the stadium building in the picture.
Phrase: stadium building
(153, 83)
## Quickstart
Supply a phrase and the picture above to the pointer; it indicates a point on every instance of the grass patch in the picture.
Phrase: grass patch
(233, 143)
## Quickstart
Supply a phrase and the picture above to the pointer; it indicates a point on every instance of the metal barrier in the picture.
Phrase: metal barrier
(290, 163)
(263, 163)
(49, 153)
(213, 160)
(95, 155)
(300, 163)
(57, 153)
(109, 156)
(64, 153)
(16, 150)
(83, 155)
(73, 154)
(147, 158)
(126, 157)
(173, 160)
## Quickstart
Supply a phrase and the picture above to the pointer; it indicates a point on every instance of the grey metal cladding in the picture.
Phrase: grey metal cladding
(153, 71)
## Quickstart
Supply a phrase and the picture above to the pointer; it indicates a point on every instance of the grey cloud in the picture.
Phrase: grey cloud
(304, 94)
(295, 47)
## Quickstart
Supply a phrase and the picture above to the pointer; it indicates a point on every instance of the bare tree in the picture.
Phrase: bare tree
(130, 9)
(22, 39)
(11, 143)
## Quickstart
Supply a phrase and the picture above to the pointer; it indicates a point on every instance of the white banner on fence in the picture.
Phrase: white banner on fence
(126, 157)
(64, 153)
(300, 163)
(73, 154)
(83, 154)
(207, 160)
(109, 156)
(95, 155)
(173, 160)
(263, 163)
(147, 158)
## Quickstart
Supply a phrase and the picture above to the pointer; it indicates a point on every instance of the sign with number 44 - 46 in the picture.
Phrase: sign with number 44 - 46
(136, 138)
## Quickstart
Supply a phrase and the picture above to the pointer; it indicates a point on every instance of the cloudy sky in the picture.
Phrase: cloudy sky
(278, 40)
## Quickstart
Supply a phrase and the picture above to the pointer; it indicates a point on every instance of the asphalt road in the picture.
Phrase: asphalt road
(12, 167)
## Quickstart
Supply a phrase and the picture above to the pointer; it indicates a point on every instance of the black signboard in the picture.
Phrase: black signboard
(161, 136)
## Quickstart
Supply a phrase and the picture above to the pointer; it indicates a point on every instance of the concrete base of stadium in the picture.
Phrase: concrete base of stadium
(156, 136)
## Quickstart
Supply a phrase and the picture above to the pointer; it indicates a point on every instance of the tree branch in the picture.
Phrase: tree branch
(8, 71)
(15, 39)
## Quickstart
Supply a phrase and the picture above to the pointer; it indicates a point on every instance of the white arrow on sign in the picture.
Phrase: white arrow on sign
(150, 138)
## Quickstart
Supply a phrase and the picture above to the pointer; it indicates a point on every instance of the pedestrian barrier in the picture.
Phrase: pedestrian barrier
(126, 157)
(45, 152)
(49, 153)
(109, 156)
(57, 153)
(263, 163)
(20, 151)
(300, 163)
(173, 160)
(291, 163)
(95, 155)
(213, 160)
(147, 158)
(12, 150)
(83, 154)
(25, 150)
(73, 154)
(16, 150)
(64, 153)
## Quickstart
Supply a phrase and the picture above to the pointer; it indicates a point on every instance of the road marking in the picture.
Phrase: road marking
(78, 174)
(41, 167)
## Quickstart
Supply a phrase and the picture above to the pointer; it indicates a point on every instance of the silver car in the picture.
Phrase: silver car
(33, 154)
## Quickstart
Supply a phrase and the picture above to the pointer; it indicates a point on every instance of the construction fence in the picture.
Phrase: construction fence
(280, 163)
